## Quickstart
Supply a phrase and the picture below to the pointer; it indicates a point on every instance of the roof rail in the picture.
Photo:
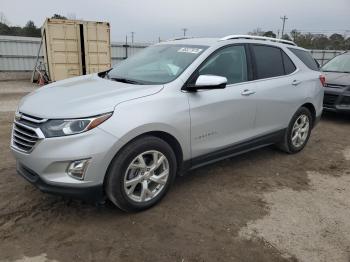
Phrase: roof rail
(253, 37)
(179, 38)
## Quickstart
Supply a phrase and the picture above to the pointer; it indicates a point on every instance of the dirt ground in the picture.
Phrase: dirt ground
(260, 206)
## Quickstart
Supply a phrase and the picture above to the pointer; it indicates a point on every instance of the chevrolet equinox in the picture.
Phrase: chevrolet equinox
(125, 134)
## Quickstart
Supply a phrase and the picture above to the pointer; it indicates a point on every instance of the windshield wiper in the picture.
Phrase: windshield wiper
(125, 80)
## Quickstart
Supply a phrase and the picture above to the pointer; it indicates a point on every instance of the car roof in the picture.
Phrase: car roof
(215, 42)
(193, 41)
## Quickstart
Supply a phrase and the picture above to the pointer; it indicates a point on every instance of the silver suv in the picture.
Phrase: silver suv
(175, 106)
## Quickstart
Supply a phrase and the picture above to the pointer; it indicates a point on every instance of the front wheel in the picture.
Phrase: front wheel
(298, 132)
(141, 174)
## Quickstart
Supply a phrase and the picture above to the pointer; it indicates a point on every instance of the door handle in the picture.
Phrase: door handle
(296, 82)
(247, 92)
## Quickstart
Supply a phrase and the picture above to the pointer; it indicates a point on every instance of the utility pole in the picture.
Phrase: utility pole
(284, 18)
(132, 37)
(185, 30)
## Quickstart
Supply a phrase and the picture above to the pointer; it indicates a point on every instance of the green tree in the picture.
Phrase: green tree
(270, 34)
(286, 37)
(337, 41)
(347, 44)
(304, 40)
(295, 34)
(58, 16)
(5, 29)
(320, 42)
(31, 30)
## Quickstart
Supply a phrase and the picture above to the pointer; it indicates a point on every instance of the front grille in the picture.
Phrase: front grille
(25, 133)
(345, 100)
(329, 100)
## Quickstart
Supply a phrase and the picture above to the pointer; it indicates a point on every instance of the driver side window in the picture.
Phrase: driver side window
(229, 62)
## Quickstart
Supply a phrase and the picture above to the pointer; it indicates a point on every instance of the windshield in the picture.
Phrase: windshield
(340, 63)
(158, 64)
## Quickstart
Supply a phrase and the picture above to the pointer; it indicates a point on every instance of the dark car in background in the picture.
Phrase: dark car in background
(337, 86)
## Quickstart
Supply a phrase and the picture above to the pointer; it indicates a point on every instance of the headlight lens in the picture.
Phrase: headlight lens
(66, 127)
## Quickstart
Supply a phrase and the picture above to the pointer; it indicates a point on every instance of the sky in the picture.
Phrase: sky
(151, 19)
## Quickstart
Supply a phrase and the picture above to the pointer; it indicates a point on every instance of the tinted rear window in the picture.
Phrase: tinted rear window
(268, 60)
(306, 58)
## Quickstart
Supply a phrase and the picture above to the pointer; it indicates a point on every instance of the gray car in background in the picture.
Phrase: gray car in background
(175, 106)
(337, 87)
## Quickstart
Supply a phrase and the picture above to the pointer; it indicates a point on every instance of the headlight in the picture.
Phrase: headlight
(66, 127)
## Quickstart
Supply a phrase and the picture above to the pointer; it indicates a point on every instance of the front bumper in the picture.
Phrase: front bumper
(89, 194)
(46, 165)
(337, 99)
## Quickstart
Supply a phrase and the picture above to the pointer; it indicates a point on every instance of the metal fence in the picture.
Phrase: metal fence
(323, 56)
(18, 54)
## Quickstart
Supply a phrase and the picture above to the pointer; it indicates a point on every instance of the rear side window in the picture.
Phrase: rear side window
(289, 67)
(306, 58)
(269, 62)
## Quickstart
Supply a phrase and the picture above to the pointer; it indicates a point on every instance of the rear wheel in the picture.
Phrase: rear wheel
(298, 132)
(141, 174)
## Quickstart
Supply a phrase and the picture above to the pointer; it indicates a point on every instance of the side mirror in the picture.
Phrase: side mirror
(209, 82)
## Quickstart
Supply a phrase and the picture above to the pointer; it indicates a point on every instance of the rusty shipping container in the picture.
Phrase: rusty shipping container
(73, 47)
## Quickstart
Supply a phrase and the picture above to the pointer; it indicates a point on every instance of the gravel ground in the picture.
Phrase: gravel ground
(260, 206)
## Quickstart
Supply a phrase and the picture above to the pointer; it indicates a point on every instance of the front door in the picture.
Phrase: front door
(222, 117)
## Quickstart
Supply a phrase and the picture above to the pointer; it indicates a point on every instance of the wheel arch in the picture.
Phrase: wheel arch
(165, 136)
(312, 110)
(171, 140)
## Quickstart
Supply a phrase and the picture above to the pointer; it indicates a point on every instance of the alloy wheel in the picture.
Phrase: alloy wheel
(146, 176)
(300, 130)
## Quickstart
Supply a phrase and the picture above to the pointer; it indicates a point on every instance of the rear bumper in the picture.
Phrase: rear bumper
(89, 194)
(337, 100)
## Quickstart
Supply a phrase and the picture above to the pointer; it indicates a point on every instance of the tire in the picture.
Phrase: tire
(138, 161)
(289, 145)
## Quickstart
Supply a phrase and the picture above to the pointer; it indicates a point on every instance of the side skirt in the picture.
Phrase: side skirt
(233, 150)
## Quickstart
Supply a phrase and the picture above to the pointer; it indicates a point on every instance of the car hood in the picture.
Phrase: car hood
(337, 78)
(81, 97)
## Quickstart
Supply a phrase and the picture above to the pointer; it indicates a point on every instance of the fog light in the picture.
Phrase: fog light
(76, 169)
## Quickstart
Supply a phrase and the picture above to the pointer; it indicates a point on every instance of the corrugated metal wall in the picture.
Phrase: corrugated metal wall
(19, 53)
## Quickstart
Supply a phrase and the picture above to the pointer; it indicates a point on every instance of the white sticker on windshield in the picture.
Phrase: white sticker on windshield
(190, 50)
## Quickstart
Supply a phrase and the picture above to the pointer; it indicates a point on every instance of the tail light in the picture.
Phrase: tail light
(323, 80)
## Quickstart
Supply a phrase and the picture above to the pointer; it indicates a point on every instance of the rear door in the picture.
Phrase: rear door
(222, 117)
(278, 89)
